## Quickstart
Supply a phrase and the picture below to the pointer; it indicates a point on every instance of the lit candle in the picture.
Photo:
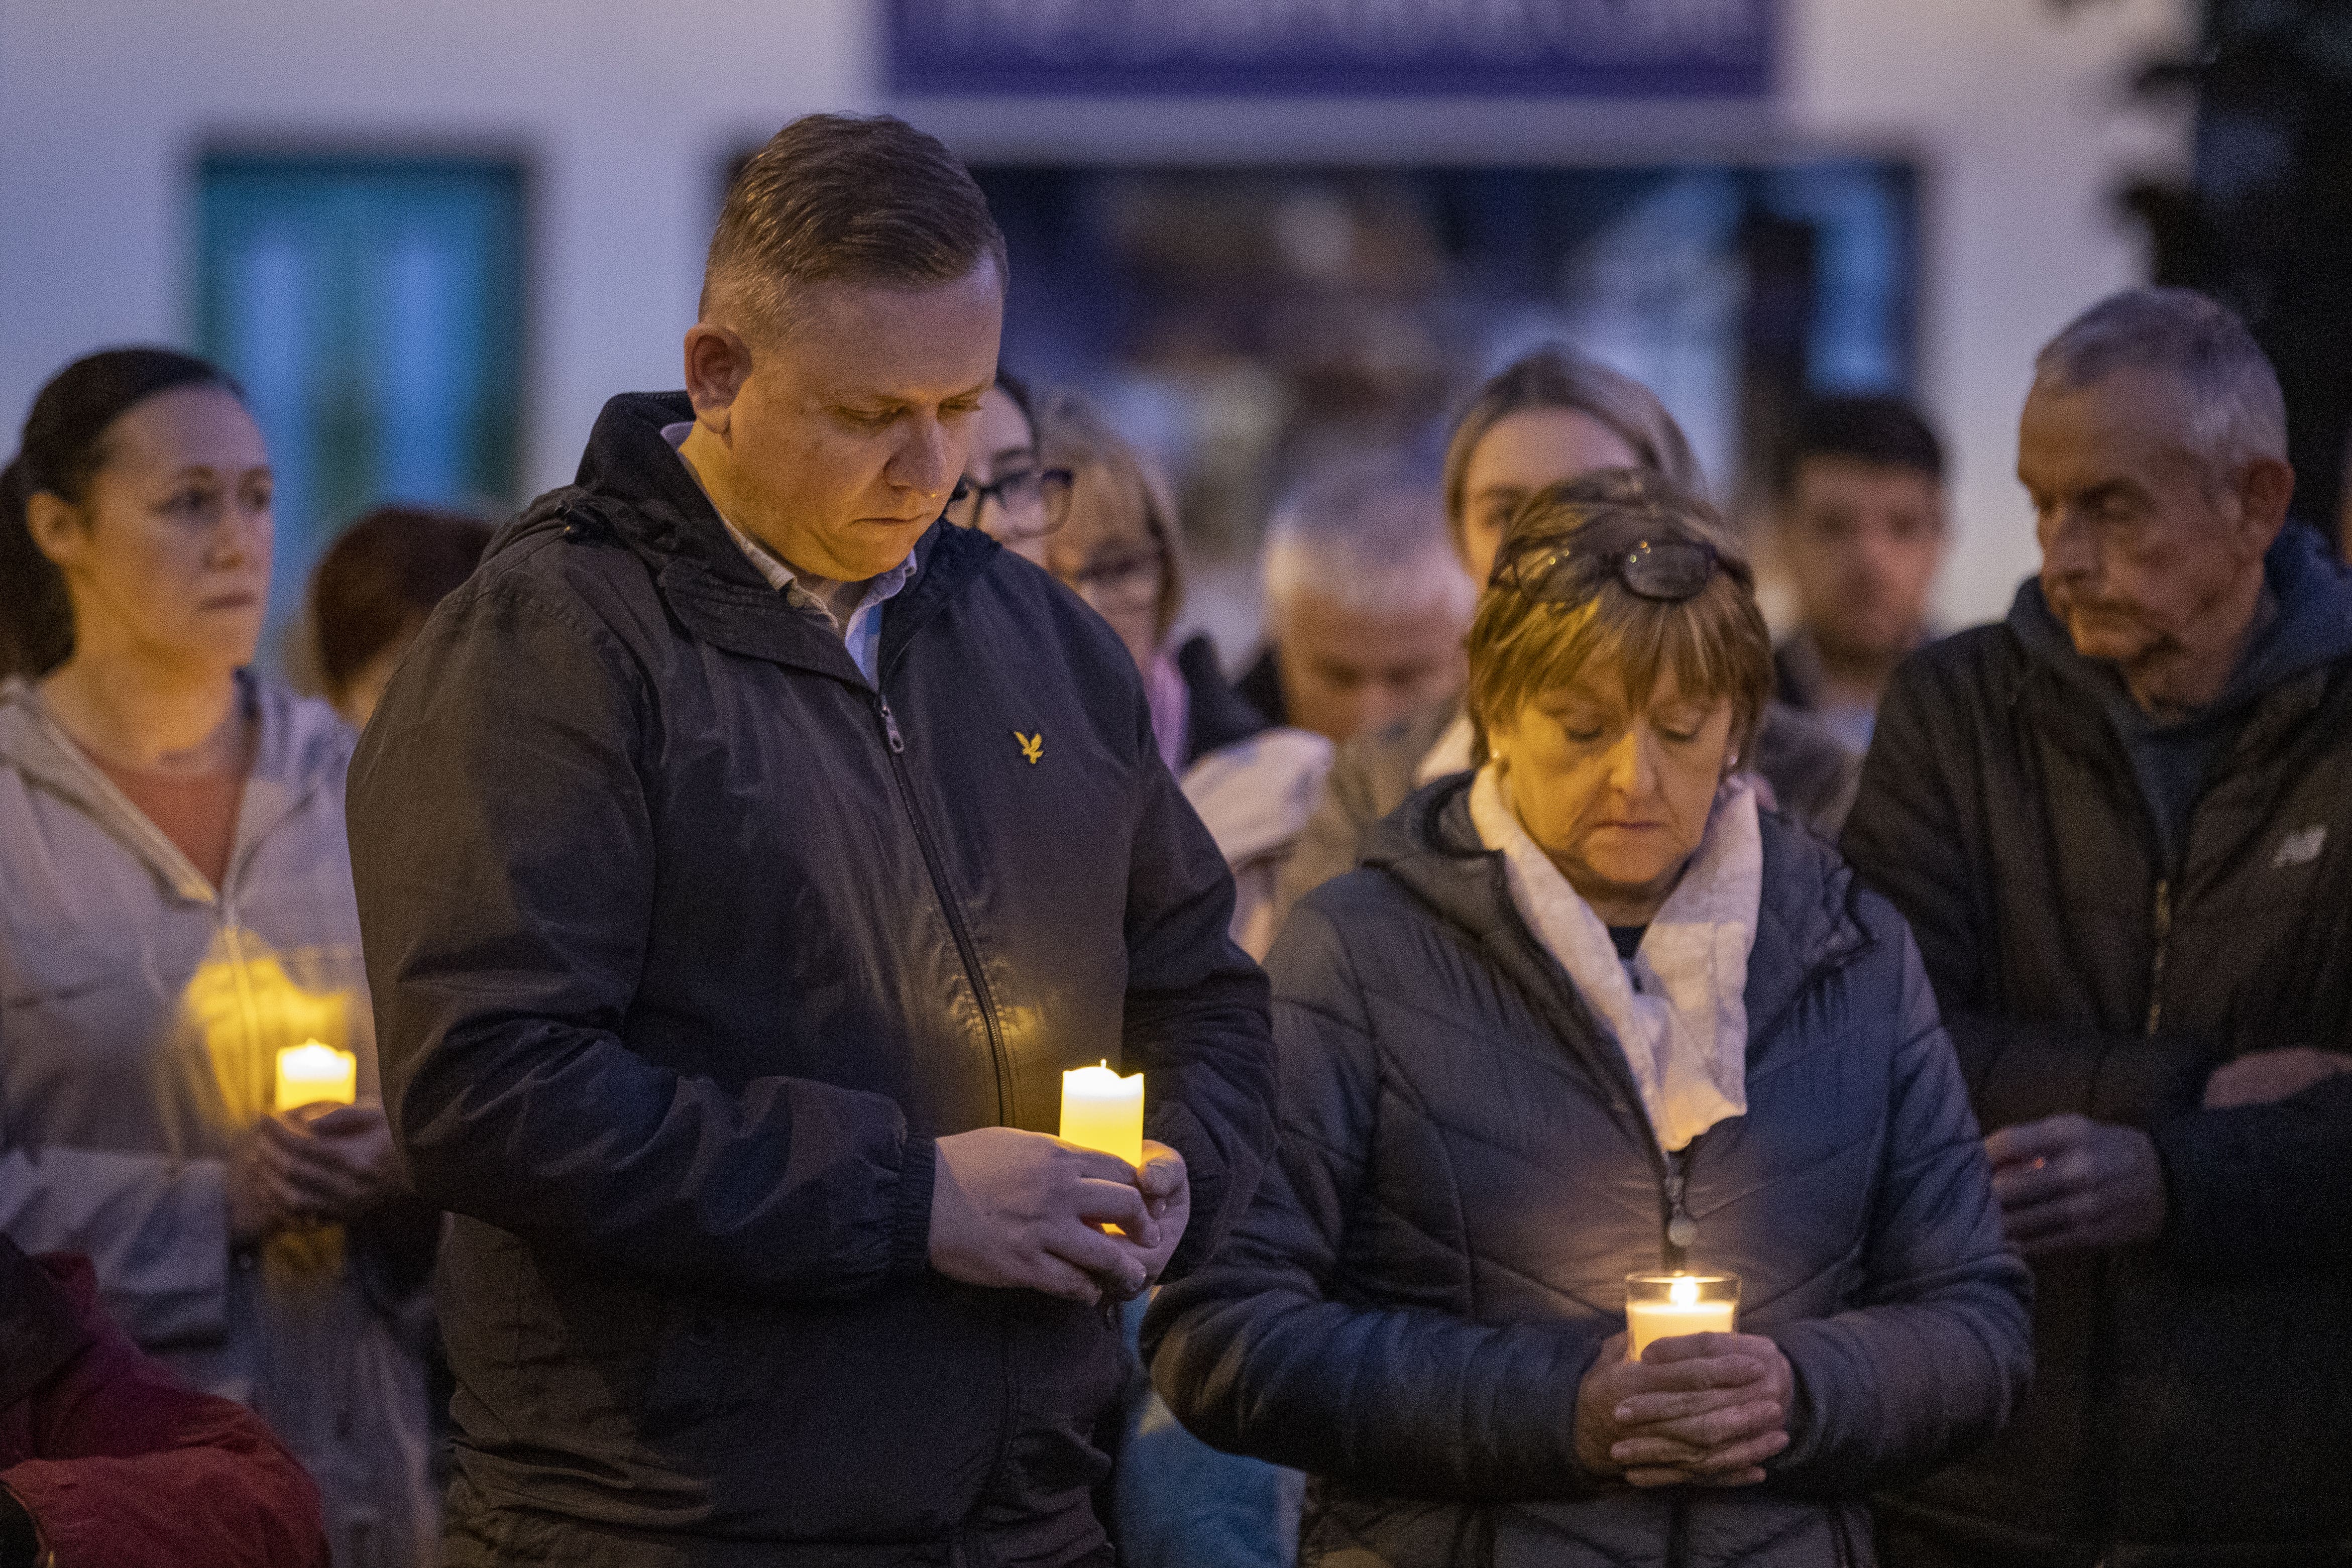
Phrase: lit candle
(315, 1074)
(1660, 1306)
(1103, 1110)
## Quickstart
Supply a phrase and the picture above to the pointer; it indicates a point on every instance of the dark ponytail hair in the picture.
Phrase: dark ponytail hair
(63, 447)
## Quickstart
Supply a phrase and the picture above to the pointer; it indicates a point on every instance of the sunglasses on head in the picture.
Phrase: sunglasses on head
(1566, 571)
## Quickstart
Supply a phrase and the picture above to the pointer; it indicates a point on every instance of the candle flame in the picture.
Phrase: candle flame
(1682, 1292)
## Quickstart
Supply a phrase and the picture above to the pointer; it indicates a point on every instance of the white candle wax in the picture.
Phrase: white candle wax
(1103, 1110)
(316, 1074)
(1683, 1312)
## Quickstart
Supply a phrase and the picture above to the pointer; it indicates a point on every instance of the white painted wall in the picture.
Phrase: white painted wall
(624, 111)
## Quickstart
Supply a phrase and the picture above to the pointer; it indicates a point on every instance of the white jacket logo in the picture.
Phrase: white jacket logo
(2301, 848)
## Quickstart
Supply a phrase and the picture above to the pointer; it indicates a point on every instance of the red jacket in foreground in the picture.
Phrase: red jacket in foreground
(120, 1464)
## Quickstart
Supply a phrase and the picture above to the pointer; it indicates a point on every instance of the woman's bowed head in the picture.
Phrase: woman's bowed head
(1616, 680)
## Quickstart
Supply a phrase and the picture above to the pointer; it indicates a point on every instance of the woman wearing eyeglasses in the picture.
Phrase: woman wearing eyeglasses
(1585, 1013)
(1114, 542)
(1003, 491)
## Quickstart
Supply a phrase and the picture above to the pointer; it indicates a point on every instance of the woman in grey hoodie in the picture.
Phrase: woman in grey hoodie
(178, 909)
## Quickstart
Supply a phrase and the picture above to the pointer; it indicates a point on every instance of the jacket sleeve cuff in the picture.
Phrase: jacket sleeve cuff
(2251, 1186)
(1805, 1421)
(911, 1226)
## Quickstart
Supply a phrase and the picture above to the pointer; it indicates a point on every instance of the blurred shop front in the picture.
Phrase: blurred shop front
(1248, 314)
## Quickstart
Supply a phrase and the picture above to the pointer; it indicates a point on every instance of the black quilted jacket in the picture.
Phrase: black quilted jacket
(1465, 1177)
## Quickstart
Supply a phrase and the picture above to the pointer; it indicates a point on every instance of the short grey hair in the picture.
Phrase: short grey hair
(1369, 536)
(2236, 411)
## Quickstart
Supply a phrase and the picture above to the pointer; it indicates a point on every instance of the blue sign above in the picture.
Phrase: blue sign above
(1516, 48)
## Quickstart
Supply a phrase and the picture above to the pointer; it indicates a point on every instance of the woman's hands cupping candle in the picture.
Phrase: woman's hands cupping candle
(1698, 1410)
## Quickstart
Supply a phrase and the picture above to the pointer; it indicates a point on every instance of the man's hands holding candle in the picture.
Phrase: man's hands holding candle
(1027, 1211)
(1696, 1409)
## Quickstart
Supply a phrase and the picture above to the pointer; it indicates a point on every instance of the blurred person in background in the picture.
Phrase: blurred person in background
(371, 592)
(745, 854)
(2121, 824)
(1584, 1012)
(1365, 605)
(179, 909)
(1002, 490)
(1550, 416)
(107, 1459)
(1860, 530)
(1252, 782)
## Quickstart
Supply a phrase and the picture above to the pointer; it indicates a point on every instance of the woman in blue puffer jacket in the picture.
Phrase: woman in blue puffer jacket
(1582, 1013)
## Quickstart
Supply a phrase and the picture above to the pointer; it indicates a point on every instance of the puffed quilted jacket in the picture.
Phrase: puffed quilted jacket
(1466, 1176)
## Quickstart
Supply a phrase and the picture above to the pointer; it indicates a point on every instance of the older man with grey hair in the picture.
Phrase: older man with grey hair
(2120, 824)
(1366, 605)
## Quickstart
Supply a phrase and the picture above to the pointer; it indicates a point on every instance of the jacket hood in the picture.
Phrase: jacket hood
(2314, 595)
(1805, 923)
(633, 487)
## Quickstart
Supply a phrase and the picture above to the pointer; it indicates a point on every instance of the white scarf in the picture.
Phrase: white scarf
(1678, 1009)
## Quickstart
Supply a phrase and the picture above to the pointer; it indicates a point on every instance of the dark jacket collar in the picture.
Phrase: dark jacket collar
(1215, 715)
(1806, 923)
(633, 487)
(2313, 628)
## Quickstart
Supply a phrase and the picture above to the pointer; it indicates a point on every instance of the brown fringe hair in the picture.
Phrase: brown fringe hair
(1715, 644)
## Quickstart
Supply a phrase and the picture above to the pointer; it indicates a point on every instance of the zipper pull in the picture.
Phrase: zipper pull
(2163, 923)
(890, 727)
(1681, 1229)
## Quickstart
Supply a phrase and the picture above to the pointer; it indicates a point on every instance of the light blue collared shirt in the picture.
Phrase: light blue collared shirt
(862, 635)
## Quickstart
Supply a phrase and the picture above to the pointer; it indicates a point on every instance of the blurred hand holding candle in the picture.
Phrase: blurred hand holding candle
(316, 1074)
(1660, 1306)
(1103, 1110)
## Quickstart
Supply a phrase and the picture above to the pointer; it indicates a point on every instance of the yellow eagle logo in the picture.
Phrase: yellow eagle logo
(1033, 747)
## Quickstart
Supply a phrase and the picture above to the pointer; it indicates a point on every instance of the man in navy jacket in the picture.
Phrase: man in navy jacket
(743, 855)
